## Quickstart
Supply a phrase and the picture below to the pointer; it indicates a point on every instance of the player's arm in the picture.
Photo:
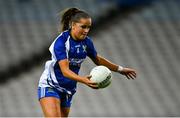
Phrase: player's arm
(99, 60)
(128, 72)
(64, 66)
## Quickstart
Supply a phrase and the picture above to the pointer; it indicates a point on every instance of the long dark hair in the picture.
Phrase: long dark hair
(72, 15)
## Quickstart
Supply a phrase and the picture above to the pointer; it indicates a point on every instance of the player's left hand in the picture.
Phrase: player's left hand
(129, 73)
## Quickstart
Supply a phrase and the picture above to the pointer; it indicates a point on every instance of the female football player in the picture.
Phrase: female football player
(57, 84)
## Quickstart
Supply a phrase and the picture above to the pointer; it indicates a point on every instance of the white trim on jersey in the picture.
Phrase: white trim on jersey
(67, 45)
(51, 69)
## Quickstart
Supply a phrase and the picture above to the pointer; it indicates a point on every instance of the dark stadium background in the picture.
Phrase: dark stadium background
(142, 34)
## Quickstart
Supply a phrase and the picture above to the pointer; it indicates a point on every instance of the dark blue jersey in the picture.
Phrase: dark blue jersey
(65, 47)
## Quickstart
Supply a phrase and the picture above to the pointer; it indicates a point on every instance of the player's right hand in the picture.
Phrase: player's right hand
(89, 83)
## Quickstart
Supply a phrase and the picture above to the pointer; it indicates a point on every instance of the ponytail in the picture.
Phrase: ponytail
(71, 15)
(66, 18)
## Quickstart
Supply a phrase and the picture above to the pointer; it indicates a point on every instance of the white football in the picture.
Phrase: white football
(101, 75)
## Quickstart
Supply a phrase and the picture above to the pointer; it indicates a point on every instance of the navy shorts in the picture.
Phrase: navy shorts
(65, 98)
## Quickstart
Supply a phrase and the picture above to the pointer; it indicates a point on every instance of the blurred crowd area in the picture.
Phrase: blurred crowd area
(142, 34)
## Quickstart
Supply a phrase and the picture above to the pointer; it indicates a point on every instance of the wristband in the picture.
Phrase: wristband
(120, 68)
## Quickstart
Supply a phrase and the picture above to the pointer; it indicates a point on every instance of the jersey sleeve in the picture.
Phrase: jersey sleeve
(58, 49)
(91, 51)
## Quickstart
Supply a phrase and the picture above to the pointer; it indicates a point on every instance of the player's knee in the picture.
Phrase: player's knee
(52, 113)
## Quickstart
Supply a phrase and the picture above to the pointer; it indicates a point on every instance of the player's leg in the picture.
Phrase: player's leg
(65, 111)
(49, 101)
(66, 100)
(50, 106)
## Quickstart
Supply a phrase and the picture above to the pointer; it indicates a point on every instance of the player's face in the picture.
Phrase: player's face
(81, 29)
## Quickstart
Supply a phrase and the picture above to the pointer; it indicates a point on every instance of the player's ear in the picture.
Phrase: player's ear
(72, 25)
